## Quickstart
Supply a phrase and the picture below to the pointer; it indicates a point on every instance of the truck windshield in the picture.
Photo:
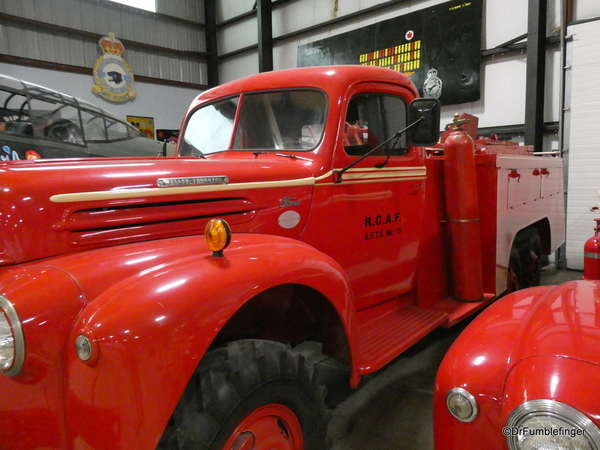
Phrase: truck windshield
(273, 120)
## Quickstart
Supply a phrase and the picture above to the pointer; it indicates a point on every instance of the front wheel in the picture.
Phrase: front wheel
(252, 394)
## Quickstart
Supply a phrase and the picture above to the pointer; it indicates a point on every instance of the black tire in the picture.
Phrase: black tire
(527, 248)
(235, 384)
(514, 270)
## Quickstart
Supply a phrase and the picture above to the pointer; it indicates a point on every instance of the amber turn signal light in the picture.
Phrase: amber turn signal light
(218, 236)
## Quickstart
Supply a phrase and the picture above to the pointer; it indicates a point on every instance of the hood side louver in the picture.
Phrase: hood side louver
(132, 221)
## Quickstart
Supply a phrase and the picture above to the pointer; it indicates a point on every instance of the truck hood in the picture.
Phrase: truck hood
(51, 207)
(564, 322)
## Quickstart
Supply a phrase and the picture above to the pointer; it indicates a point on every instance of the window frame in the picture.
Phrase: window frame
(375, 90)
(241, 96)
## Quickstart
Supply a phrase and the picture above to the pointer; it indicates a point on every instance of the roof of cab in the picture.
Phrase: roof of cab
(328, 78)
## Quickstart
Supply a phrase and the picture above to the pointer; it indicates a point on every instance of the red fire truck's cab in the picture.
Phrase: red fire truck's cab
(325, 123)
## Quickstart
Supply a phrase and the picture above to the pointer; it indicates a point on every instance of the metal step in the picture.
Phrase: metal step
(386, 331)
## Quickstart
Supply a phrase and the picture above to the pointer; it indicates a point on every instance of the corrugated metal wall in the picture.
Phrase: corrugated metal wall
(169, 45)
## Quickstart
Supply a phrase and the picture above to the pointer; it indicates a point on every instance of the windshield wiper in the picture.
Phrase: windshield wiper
(396, 135)
(286, 155)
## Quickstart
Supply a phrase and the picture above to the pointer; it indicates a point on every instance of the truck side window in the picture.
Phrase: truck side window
(371, 119)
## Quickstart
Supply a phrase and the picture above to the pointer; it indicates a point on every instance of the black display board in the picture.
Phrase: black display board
(439, 48)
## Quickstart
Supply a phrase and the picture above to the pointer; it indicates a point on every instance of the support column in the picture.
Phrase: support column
(265, 36)
(536, 74)
(212, 49)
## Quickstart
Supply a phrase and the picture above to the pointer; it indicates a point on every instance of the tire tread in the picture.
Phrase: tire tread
(227, 376)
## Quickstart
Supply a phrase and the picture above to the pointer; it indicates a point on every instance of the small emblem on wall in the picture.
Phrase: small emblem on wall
(112, 74)
(432, 88)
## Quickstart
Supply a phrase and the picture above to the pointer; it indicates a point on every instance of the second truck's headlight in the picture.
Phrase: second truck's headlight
(550, 425)
(12, 343)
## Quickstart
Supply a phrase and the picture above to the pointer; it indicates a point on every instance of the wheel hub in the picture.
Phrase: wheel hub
(270, 427)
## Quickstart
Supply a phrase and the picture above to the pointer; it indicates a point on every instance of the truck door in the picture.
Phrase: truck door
(379, 201)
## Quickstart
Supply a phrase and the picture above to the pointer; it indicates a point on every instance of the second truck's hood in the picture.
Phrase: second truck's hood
(58, 206)
(565, 322)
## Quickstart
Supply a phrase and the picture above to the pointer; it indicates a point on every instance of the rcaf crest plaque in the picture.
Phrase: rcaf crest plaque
(112, 74)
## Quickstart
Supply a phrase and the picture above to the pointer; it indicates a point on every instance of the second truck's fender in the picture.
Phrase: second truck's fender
(537, 343)
(478, 362)
(553, 378)
(151, 329)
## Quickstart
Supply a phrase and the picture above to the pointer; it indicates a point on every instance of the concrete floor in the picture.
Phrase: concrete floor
(392, 409)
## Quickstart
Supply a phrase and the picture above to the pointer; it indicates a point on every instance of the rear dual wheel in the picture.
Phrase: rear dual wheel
(250, 395)
(524, 267)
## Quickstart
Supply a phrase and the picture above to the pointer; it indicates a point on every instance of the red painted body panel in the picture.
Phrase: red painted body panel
(382, 234)
(32, 405)
(478, 361)
(433, 241)
(112, 249)
(568, 380)
(107, 213)
(335, 80)
(153, 310)
(539, 343)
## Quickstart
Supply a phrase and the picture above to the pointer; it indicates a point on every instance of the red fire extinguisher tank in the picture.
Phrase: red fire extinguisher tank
(463, 215)
(591, 255)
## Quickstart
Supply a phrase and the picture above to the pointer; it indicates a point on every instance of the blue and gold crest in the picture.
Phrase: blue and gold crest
(112, 74)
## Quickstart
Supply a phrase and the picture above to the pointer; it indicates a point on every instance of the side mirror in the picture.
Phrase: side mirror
(427, 131)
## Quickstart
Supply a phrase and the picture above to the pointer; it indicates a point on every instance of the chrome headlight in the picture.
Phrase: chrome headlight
(550, 425)
(12, 342)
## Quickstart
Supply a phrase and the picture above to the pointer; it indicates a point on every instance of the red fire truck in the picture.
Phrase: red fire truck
(131, 316)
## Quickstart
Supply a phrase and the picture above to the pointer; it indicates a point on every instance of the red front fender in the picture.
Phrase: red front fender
(569, 381)
(151, 330)
(479, 361)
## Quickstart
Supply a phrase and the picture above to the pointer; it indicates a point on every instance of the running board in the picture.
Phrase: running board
(457, 311)
(387, 330)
